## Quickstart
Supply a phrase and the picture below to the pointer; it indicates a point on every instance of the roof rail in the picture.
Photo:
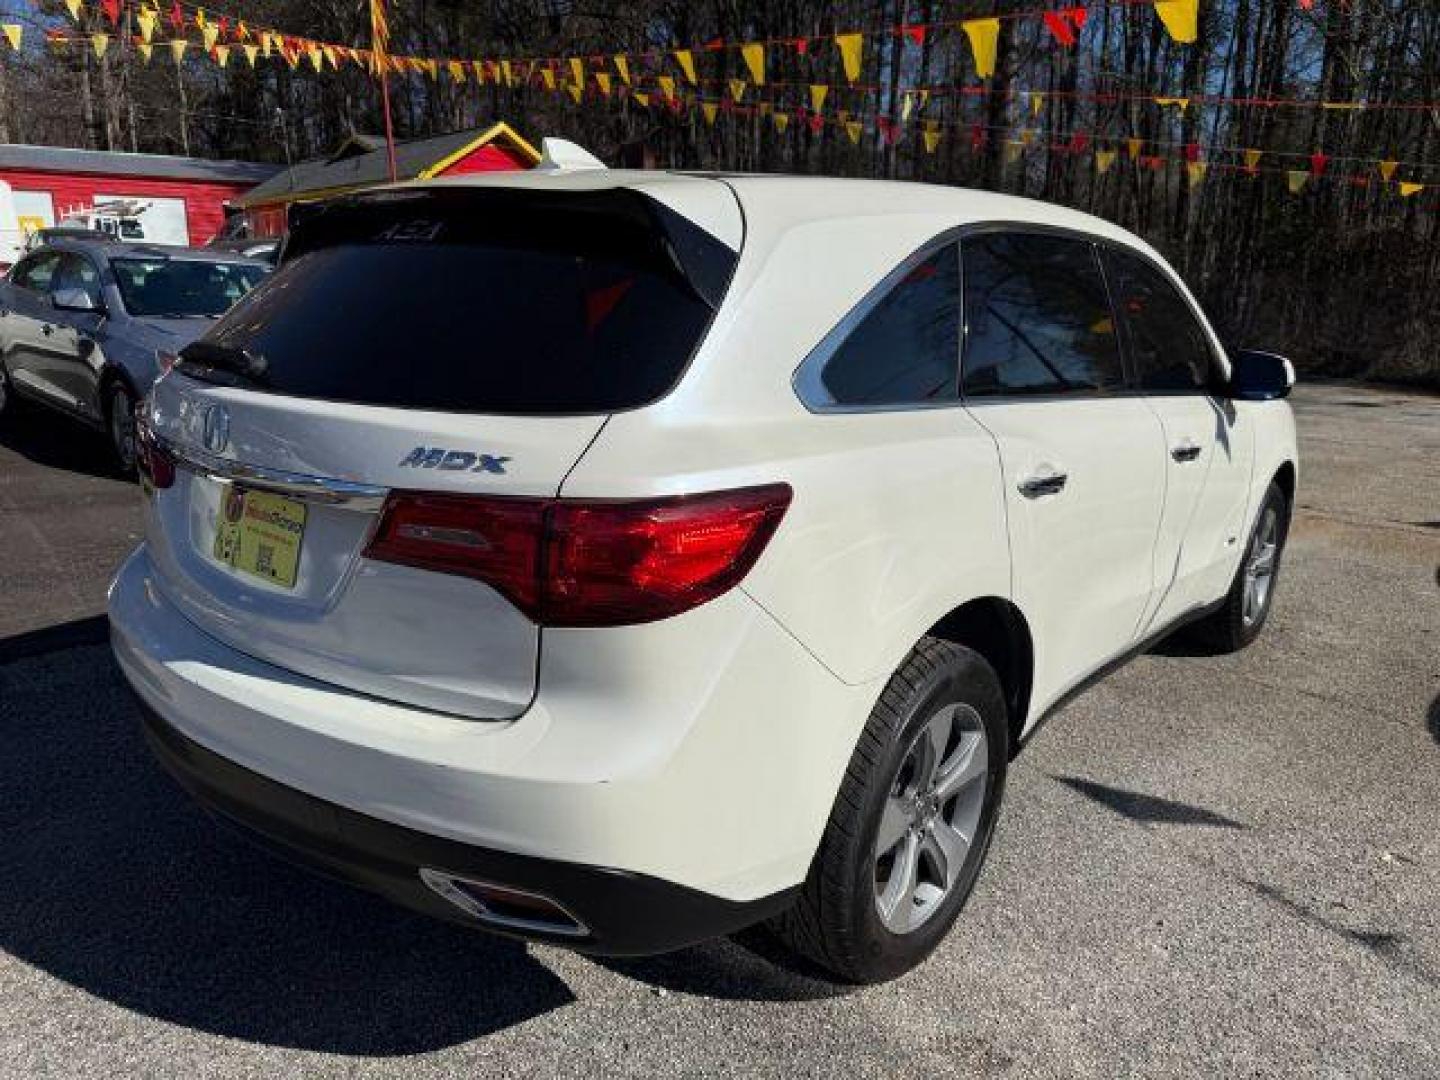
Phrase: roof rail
(561, 155)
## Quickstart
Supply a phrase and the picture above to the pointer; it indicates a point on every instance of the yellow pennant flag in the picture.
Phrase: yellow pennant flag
(782, 121)
(576, 91)
(547, 76)
(99, 42)
(1387, 170)
(1408, 189)
(931, 137)
(577, 71)
(983, 35)
(1133, 148)
(507, 74)
(145, 20)
(317, 58)
(12, 33)
(667, 86)
(209, 34)
(1343, 106)
(1181, 18)
(602, 79)
(907, 106)
(754, 56)
(1252, 159)
(146, 49)
(710, 109)
(737, 88)
(265, 45)
(200, 19)
(251, 51)
(686, 59)
(1013, 151)
(852, 46)
(1103, 160)
(817, 97)
(1196, 170)
(854, 128)
(222, 55)
(1027, 136)
(622, 65)
(73, 6)
(1297, 179)
(457, 71)
(1037, 102)
(764, 108)
(177, 48)
(1182, 103)
(642, 99)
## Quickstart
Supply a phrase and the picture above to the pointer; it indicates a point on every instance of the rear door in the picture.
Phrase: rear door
(1082, 457)
(1208, 453)
(459, 341)
(70, 363)
(25, 312)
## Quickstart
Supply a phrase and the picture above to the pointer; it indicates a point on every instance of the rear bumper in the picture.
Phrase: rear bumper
(620, 913)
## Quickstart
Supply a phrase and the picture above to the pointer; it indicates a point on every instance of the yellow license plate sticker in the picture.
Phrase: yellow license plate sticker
(259, 533)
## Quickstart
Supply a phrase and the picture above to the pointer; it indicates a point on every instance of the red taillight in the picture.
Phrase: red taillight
(153, 460)
(576, 562)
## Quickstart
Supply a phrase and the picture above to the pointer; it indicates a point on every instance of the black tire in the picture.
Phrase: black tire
(836, 922)
(1233, 627)
(118, 402)
(9, 400)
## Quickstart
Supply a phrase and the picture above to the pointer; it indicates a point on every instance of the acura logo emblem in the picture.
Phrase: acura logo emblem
(215, 433)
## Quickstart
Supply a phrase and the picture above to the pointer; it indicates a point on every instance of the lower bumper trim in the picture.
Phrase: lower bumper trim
(622, 913)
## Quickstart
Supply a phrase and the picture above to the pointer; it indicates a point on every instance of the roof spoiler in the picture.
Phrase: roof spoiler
(561, 155)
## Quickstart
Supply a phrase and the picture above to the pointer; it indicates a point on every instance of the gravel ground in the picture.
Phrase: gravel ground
(1205, 866)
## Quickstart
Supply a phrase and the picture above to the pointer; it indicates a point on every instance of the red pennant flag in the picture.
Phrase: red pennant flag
(222, 24)
(1154, 162)
(1307, 4)
(1192, 152)
(1318, 161)
(177, 17)
(802, 46)
(816, 122)
(914, 33)
(977, 137)
(1079, 143)
(112, 11)
(715, 44)
(889, 130)
(1065, 24)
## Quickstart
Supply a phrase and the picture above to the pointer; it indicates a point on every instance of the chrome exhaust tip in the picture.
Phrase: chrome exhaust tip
(503, 906)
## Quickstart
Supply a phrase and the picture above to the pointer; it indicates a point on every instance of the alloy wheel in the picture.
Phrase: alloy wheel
(1259, 574)
(930, 818)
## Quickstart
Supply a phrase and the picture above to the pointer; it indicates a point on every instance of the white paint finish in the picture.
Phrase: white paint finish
(34, 209)
(705, 749)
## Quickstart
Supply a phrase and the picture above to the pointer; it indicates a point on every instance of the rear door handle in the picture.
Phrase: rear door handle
(1041, 484)
(47, 329)
(1185, 451)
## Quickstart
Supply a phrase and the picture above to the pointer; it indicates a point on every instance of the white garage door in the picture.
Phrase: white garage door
(164, 220)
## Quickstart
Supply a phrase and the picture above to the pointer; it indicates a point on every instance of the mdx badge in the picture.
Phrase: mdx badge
(437, 457)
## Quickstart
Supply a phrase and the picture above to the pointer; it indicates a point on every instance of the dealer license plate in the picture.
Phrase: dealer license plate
(259, 533)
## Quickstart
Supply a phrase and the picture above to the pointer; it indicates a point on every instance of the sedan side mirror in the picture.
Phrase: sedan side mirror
(73, 300)
(1259, 376)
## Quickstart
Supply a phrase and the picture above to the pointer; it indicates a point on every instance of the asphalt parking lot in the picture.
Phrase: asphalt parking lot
(1205, 866)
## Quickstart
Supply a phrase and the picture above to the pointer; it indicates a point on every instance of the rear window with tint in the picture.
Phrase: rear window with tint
(494, 301)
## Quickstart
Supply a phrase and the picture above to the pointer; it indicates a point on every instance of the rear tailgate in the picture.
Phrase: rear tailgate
(471, 343)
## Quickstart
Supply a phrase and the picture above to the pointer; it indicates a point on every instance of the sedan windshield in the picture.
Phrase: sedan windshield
(179, 288)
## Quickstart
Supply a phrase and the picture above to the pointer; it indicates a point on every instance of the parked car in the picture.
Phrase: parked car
(85, 325)
(52, 234)
(266, 249)
(621, 559)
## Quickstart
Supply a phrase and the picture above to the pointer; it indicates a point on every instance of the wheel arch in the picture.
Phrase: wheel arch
(996, 629)
(1284, 479)
(111, 374)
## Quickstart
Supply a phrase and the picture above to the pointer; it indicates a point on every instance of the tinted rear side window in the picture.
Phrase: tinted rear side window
(1168, 346)
(483, 301)
(1037, 317)
(906, 349)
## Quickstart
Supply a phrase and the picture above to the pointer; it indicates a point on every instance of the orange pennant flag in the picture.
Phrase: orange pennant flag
(852, 47)
(1252, 160)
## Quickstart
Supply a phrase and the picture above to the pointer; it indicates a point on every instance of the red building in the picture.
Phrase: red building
(185, 198)
(361, 162)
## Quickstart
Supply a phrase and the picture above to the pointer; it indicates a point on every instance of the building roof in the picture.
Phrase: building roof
(417, 159)
(62, 159)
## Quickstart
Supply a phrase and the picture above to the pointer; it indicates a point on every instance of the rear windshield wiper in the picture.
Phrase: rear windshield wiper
(204, 359)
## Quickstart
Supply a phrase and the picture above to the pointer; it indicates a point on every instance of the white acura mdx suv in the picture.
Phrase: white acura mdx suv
(620, 559)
